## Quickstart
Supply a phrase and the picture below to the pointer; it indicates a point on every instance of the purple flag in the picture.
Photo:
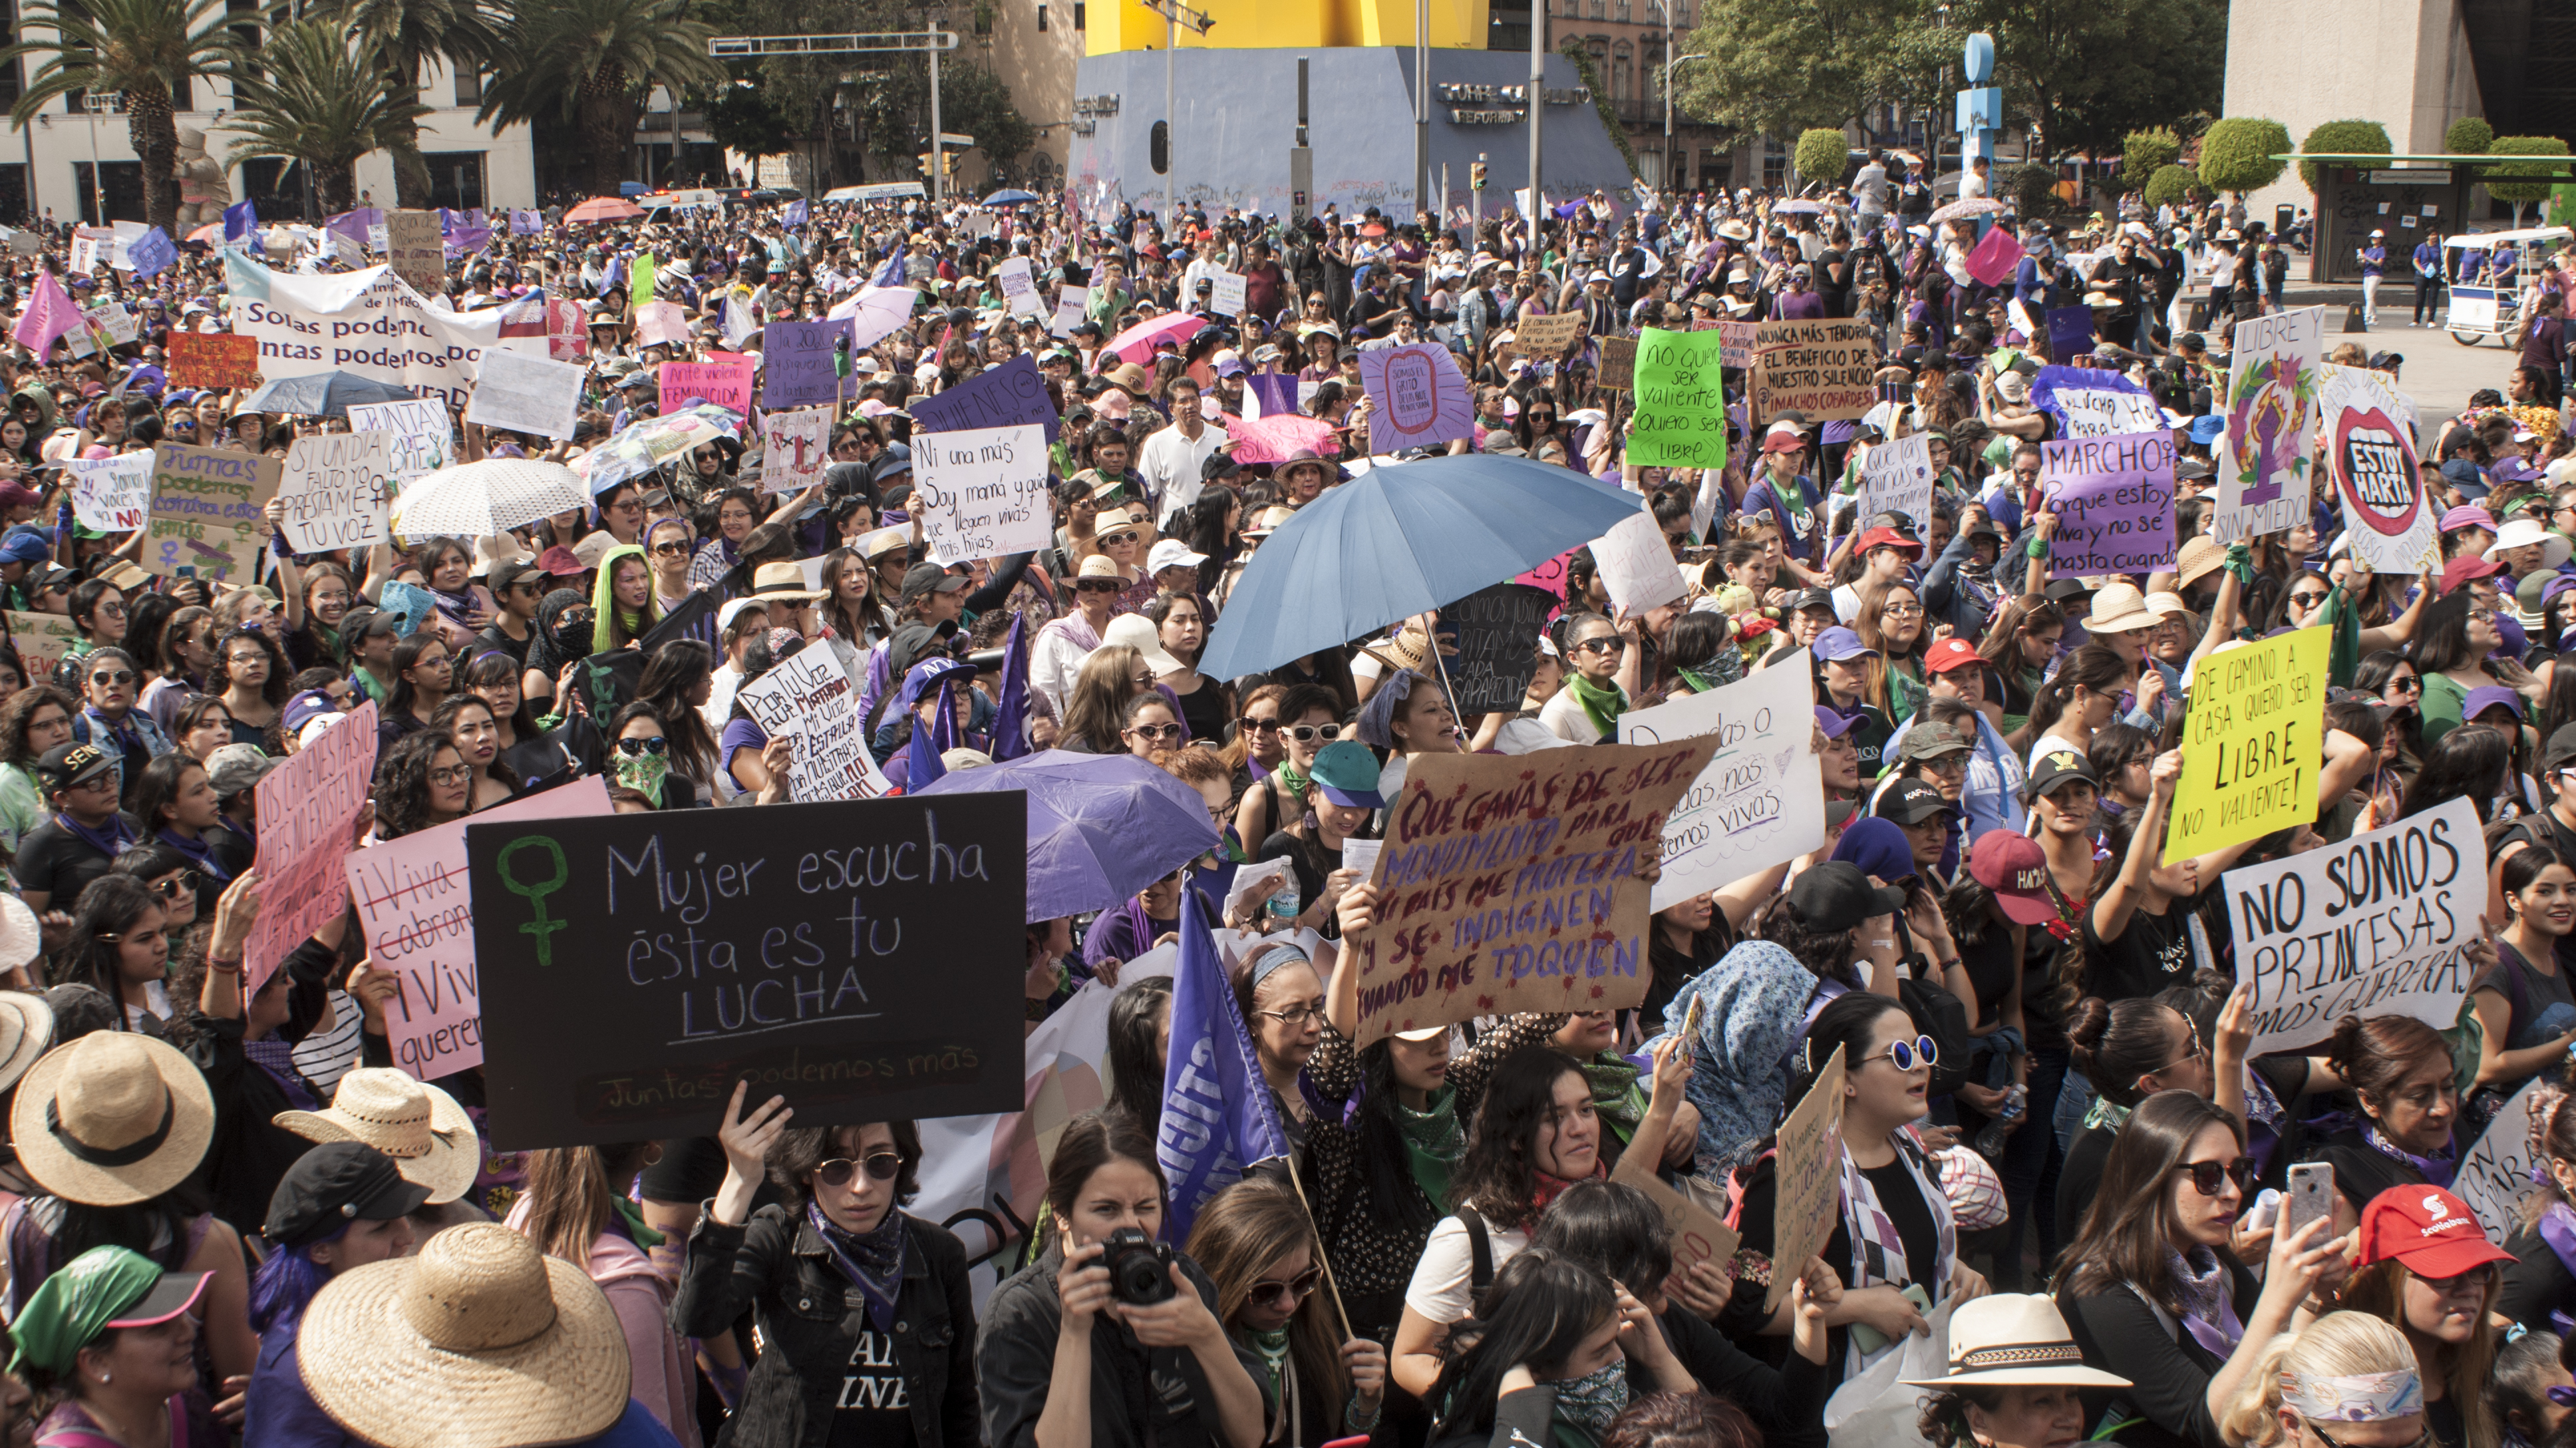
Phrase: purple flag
(1277, 391)
(1011, 703)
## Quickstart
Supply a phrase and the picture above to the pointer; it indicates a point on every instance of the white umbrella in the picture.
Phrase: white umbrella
(475, 500)
(875, 313)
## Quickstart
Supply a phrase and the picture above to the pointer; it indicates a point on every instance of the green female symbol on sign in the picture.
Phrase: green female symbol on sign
(535, 892)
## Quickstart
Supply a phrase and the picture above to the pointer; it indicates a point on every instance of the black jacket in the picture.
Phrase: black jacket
(1139, 1395)
(777, 1265)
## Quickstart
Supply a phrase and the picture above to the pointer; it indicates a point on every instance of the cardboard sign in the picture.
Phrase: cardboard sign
(1509, 883)
(1761, 799)
(1825, 369)
(2250, 745)
(1421, 397)
(1014, 392)
(809, 700)
(336, 488)
(799, 448)
(1546, 337)
(2114, 498)
(2378, 925)
(1680, 397)
(206, 359)
(114, 323)
(982, 494)
(1497, 633)
(519, 393)
(1699, 1235)
(420, 437)
(2094, 402)
(1806, 1204)
(1636, 564)
(643, 964)
(1226, 294)
(2370, 453)
(726, 384)
(209, 514)
(308, 811)
(2495, 1177)
(1618, 369)
(2270, 404)
(416, 905)
(798, 364)
(111, 495)
(418, 250)
(1896, 477)
(41, 640)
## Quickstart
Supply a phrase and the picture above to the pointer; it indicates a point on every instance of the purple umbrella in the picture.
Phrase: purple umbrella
(1102, 827)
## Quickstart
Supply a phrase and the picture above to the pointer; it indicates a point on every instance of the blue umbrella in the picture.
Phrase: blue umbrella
(1102, 827)
(323, 394)
(1401, 540)
(1008, 198)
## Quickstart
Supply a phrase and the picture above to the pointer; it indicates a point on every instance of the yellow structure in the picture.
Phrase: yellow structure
(1116, 25)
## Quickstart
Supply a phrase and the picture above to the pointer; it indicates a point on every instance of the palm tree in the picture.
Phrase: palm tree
(407, 35)
(150, 50)
(592, 62)
(306, 95)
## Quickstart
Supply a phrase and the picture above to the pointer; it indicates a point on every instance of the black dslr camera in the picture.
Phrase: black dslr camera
(1140, 1268)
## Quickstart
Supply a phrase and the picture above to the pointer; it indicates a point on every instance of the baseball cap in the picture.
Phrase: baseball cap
(66, 765)
(2490, 696)
(2429, 1230)
(1784, 442)
(1837, 893)
(2012, 865)
(1810, 598)
(1930, 740)
(2468, 515)
(1951, 654)
(1912, 801)
(335, 1183)
(1836, 726)
(1889, 538)
(2562, 748)
(1172, 553)
(2463, 569)
(237, 767)
(1347, 774)
(1837, 644)
(2055, 768)
(928, 578)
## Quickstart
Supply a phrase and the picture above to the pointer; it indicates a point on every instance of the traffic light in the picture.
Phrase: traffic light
(1476, 175)
(928, 159)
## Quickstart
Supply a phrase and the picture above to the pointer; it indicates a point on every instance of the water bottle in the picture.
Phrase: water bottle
(1284, 901)
(1990, 1142)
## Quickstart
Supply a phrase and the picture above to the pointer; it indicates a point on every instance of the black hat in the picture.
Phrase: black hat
(1837, 893)
(2561, 750)
(1912, 801)
(1810, 598)
(66, 765)
(928, 578)
(2067, 590)
(2054, 767)
(336, 1183)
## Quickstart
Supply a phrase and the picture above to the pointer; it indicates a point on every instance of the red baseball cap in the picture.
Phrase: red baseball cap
(2463, 568)
(1951, 654)
(2433, 1232)
(2011, 865)
(1889, 538)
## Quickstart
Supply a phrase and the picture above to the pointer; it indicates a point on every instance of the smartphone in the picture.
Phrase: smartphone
(2310, 1196)
(1691, 1018)
(1869, 1339)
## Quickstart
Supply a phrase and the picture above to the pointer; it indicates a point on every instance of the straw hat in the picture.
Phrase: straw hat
(2012, 1339)
(112, 1119)
(2119, 608)
(26, 1029)
(421, 1127)
(478, 1339)
(2199, 555)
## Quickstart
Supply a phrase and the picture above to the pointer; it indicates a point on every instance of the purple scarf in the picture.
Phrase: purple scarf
(277, 1058)
(2202, 1283)
(2438, 1169)
(199, 853)
(874, 1261)
(110, 841)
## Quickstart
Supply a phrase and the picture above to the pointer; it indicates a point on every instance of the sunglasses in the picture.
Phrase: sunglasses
(1288, 1293)
(1156, 731)
(638, 748)
(183, 883)
(881, 1166)
(1128, 537)
(1909, 1054)
(669, 550)
(1265, 726)
(1099, 585)
(2407, 685)
(2209, 1178)
(1309, 733)
(1609, 645)
(112, 676)
(2308, 599)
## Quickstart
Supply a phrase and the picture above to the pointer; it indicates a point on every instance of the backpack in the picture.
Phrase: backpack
(1943, 1017)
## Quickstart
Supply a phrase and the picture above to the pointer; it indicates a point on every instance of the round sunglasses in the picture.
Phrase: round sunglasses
(1908, 1054)
(880, 1166)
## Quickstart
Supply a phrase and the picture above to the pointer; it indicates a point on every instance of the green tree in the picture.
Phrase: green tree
(2171, 186)
(406, 36)
(594, 61)
(305, 94)
(2085, 73)
(1821, 156)
(2522, 193)
(2144, 153)
(1781, 66)
(742, 116)
(2033, 188)
(2341, 138)
(1572, 49)
(148, 51)
(2237, 154)
(2468, 136)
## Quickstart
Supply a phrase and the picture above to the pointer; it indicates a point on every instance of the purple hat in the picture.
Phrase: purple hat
(1837, 644)
(1834, 725)
(2489, 696)
(2466, 516)
(306, 707)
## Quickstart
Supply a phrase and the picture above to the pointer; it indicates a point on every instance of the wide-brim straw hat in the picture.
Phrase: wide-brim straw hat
(26, 1029)
(112, 1119)
(2012, 1339)
(478, 1339)
(429, 1136)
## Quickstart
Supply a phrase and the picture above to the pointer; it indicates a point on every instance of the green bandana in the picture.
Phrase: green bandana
(1273, 1347)
(1602, 705)
(1433, 1143)
(1292, 787)
(645, 1237)
(1615, 1097)
(2105, 1112)
(76, 1304)
(643, 773)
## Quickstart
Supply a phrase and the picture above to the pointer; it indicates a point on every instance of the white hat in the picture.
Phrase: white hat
(2013, 1339)
(2523, 532)
(1172, 553)
(733, 608)
(2119, 608)
(1137, 632)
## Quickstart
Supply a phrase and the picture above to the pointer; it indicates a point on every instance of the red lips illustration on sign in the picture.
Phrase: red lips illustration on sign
(2374, 465)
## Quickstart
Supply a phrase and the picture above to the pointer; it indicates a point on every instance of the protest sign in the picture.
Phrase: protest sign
(799, 367)
(1545, 338)
(1681, 402)
(417, 909)
(1497, 631)
(26, 243)
(41, 640)
(2378, 925)
(1699, 1235)
(209, 514)
(111, 495)
(799, 448)
(982, 493)
(1737, 342)
(2495, 1177)
(518, 393)
(1760, 800)
(417, 249)
(113, 322)
(995, 397)
(1549, 575)
(421, 438)
(726, 384)
(2094, 402)
(2370, 453)
(1636, 564)
(1070, 303)
(567, 332)
(1019, 293)
(308, 814)
(1896, 477)
(2271, 409)
(2070, 332)
(151, 252)
(335, 490)
(1618, 369)
(2250, 744)
(809, 700)
(370, 323)
(1806, 1199)
(2114, 499)
(808, 949)
(1421, 397)
(661, 324)
(1996, 257)
(1226, 294)
(1825, 369)
(206, 359)
(1509, 883)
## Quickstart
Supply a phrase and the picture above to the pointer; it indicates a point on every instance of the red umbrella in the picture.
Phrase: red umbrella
(604, 208)
(1136, 344)
(1272, 439)
(212, 234)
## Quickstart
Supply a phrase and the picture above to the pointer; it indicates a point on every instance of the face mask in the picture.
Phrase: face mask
(643, 773)
(1595, 1398)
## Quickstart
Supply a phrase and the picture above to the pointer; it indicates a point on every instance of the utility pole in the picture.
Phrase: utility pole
(1537, 109)
(93, 102)
(938, 147)
(1175, 16)
(1301, 160)
(1422, 108)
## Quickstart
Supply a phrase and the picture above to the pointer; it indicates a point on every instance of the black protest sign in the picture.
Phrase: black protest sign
(1497, 637)
(860, 958)
(1014, 392)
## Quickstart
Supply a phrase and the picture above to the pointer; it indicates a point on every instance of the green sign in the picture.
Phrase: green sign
(1681, 406)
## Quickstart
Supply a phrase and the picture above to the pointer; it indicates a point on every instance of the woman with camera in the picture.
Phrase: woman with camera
(1257, 1243)
(1108, 1339)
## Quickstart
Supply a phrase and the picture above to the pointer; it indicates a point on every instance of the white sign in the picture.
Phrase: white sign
(799, 448)
(111, 495)
(982, 493)
(1019, 293)
(2375, 926)
(1761, 800)
(1227, 295)
(423, 439)
(373, 324)
(2495, 1177)
(2266, 460)
(2370, 453)
(114, 321)
(526, 394)
(1636, 564)
(809, 699)
(1069, 305)
(335, 490)
(1896, 477)
(2103, 412)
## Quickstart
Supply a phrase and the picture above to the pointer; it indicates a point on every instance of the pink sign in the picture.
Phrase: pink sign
(726, 384)
(1271, 438)
(566, 337)
(308, 810)
(1549, 575)
(1421, 397)
(1995, 257)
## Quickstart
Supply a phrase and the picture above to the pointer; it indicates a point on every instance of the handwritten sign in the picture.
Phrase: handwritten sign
(113, 322)
(1019, 292)
(808, 699)
(40, 638)
(1510, 883)
(1760, 800)
(1226, 294)
(1014, 392)
(2114, 498)
(726, 384)
(335, 490)
(2094, 402)
(982, 494)
(2495, 1177)
(799, 448)
(421, 438)
(1681, 401)
(2378, 925)
(1636, 564)
(1421, 397)
(1806, 1203)
(1497, 632)
(1070, 304)
(2250, 743)
(1699, 1235)
(567, 330)
(308, 811)
(205, 359)
(417, 249)
(1618, 369)
(2270, 405)
(2370, 453)
(1738, 341)
(111, 495)
(808, 949)
(1896, 477)
(1546, 337)
(661, 324)
(151, 252)
(209, 514)
(520, 393)
(416, 905)
(1825, 369)
(798, 368)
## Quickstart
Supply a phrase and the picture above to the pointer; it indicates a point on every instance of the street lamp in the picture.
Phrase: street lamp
(1670, 171)
(1175, 15)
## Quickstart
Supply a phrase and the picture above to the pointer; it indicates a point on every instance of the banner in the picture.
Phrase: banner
(982, 493)
(41, 640)
(1760, 800)
(151, 252)
(2250, 744)
(2378, 925)
(1551, 844)
(417, 249)
(1807, 1192)
(422, 438)
(416, 905)
(2114, 498)
(308, 816)
(2271, 409)
(1218, 1116)
(1014, 392)
(726, 384)
(1681, 400)
(2495, 1177)
(111, 495)
(1496, 630)
(807, 949)
(1422, 399)
(798, 446)
(2370, 454)
(208, 359)
(1896, 477)
(2094, 402)
(209, 515)
(373, 324)
(798, 366)
(1824, 369)
(808, 698)
(336, 487)
(518, 393)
